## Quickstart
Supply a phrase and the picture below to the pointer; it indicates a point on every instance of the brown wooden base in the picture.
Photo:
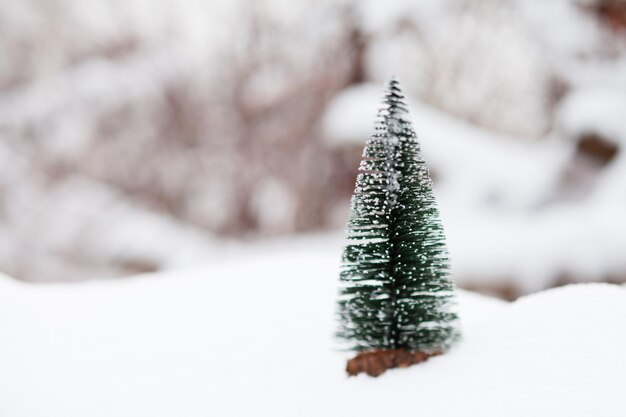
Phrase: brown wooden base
(374, 363)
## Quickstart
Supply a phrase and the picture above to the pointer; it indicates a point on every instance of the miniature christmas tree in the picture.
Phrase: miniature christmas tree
(396, 296)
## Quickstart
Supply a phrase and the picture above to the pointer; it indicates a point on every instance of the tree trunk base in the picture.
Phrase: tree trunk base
(374, 363)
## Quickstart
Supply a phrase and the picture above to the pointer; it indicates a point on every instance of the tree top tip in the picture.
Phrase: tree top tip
(394, 98)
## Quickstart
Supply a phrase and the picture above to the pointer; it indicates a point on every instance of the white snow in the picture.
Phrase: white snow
(253, 337)
(600, 110)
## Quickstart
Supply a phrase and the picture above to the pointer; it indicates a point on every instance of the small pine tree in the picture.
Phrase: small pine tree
(395, 289)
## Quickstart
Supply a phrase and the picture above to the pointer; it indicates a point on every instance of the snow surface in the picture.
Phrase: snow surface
(253, 337)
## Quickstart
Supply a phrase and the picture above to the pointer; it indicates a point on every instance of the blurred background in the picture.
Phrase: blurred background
(142, 135)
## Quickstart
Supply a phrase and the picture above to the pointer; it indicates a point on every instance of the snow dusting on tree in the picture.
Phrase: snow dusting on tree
(396, 292)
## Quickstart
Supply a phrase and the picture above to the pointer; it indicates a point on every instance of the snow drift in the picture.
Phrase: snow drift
(255, 337)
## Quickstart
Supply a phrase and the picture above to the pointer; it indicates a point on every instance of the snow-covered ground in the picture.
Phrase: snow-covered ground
(253, 336)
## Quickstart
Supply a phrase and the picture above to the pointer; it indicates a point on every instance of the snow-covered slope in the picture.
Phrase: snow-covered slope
(254, 337)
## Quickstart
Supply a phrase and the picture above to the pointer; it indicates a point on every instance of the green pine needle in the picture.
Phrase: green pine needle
(396, 291)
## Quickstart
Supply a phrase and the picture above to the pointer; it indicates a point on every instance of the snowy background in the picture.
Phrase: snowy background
(143, 135)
